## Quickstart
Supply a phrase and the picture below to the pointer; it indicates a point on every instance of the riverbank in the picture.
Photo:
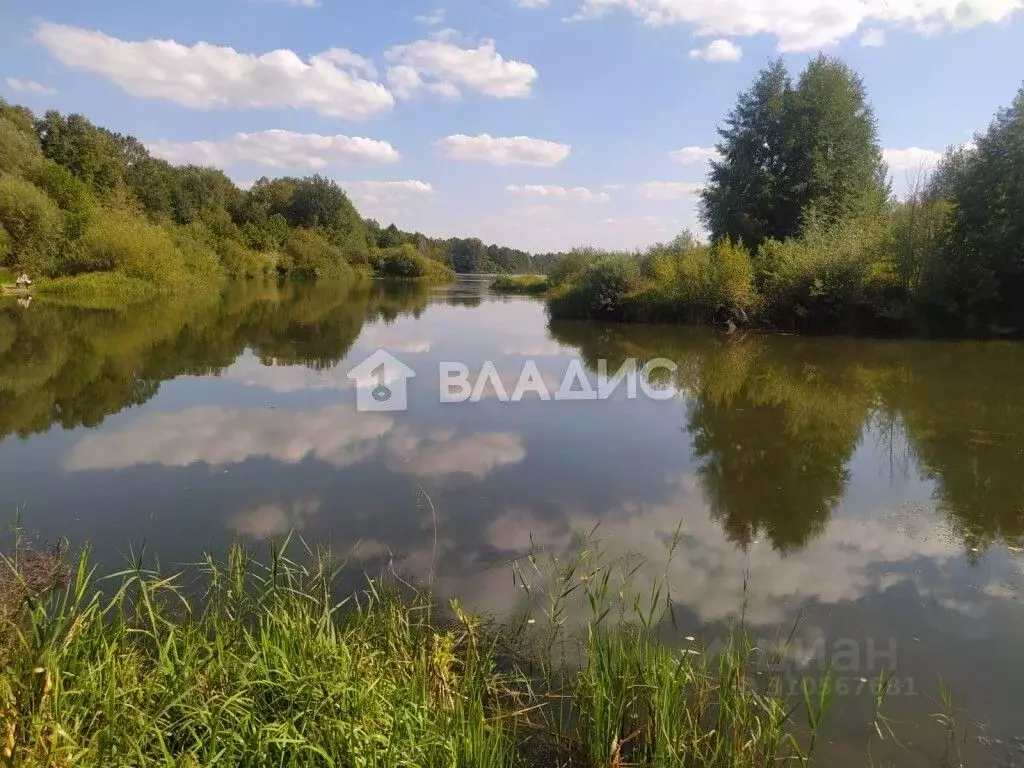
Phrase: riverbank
(268, 666)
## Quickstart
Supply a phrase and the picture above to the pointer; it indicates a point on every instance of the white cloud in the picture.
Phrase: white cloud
(431, 19)
(668, 190)
(800, 25)
(442, 453)
(532, 3)
(718, 51)
(911, 159)
(30, 86)
(691, 155)
(206, 76)
(504, 150)
(280, 149)
(376, 192)
(441, 66)
(553, 192)
(303, 3)
(217, 436)
(873, 38)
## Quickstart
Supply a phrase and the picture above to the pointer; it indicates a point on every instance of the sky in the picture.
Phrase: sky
(538, 124)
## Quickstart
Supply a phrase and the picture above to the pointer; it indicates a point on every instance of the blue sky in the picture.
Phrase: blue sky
(586, 102)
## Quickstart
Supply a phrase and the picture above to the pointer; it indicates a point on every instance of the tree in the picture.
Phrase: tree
(747, 196)
(788, 154)
(835, 168)
(33, 221)
(987, 245)
(82, 148)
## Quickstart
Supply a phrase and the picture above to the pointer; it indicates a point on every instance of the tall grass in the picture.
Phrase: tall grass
(247, 663)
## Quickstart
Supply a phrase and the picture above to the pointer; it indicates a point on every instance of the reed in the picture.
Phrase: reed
(259, 662)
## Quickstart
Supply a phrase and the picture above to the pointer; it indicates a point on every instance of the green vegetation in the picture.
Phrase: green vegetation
(806, 236)
(238, 662)
(528, 284)
(91, 216)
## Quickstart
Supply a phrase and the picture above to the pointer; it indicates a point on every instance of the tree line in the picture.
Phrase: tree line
(807, 235)
(94, 212)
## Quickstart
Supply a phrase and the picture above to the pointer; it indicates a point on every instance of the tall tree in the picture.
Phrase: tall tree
(791, 152)
(747, 197)
(835, 167)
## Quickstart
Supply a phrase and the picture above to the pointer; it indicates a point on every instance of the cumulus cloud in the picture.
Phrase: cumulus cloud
(504, 150)
(668, 190)
(800, 25)
(277, 148)
(30, 86)
(718, 51)
(336, 83)
(553, 192)
(691, 155)
(873, 38)
(532, 3)
(441, 66)
(374, 192)
(911, 159)
(431, 19)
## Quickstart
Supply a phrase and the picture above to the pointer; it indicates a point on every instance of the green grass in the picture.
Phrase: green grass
(243, 663)
(529, 284)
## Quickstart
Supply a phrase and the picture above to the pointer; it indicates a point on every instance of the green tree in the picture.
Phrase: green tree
(85, 150)
(18, 148)
(748, 197)
(835, 167)
(986, 251)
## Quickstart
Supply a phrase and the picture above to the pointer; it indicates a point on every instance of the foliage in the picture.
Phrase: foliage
(34, 223)
(528, 284)
(787, 152)
(18, 148)
(404, 262)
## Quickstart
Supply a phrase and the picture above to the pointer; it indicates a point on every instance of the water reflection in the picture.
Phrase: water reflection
(873, 487)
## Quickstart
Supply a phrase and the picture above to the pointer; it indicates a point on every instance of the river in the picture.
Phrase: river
(865, 495)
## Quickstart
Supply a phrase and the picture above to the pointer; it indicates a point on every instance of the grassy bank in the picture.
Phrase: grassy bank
(532, 285)
(247, 663)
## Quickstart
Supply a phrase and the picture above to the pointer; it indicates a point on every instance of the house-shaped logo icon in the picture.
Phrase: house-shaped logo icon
(381, 383)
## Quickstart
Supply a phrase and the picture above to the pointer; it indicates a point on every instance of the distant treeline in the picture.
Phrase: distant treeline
(806, 234)
(95, 215)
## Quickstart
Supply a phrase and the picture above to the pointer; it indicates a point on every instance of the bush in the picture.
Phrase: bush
(574, 264)
(829, 279)
(34, 223)
(18, 148)
(405, 262)
(528, 284)
(65, 189)
(309, 256)
(131, 245)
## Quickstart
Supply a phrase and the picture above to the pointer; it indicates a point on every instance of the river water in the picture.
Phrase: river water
(866, 496)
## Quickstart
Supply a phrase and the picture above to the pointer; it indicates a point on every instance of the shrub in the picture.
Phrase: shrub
(574, 264)
(123, 242)
(65, 189)
(18, 148)
(406, 262)
(310, 256)
(528, 284)
(827, 279)
(35, 225)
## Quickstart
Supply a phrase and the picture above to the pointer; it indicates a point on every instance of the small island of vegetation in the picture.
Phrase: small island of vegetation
(533, 285)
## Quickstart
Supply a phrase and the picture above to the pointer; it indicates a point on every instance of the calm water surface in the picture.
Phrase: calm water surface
(872, 492)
